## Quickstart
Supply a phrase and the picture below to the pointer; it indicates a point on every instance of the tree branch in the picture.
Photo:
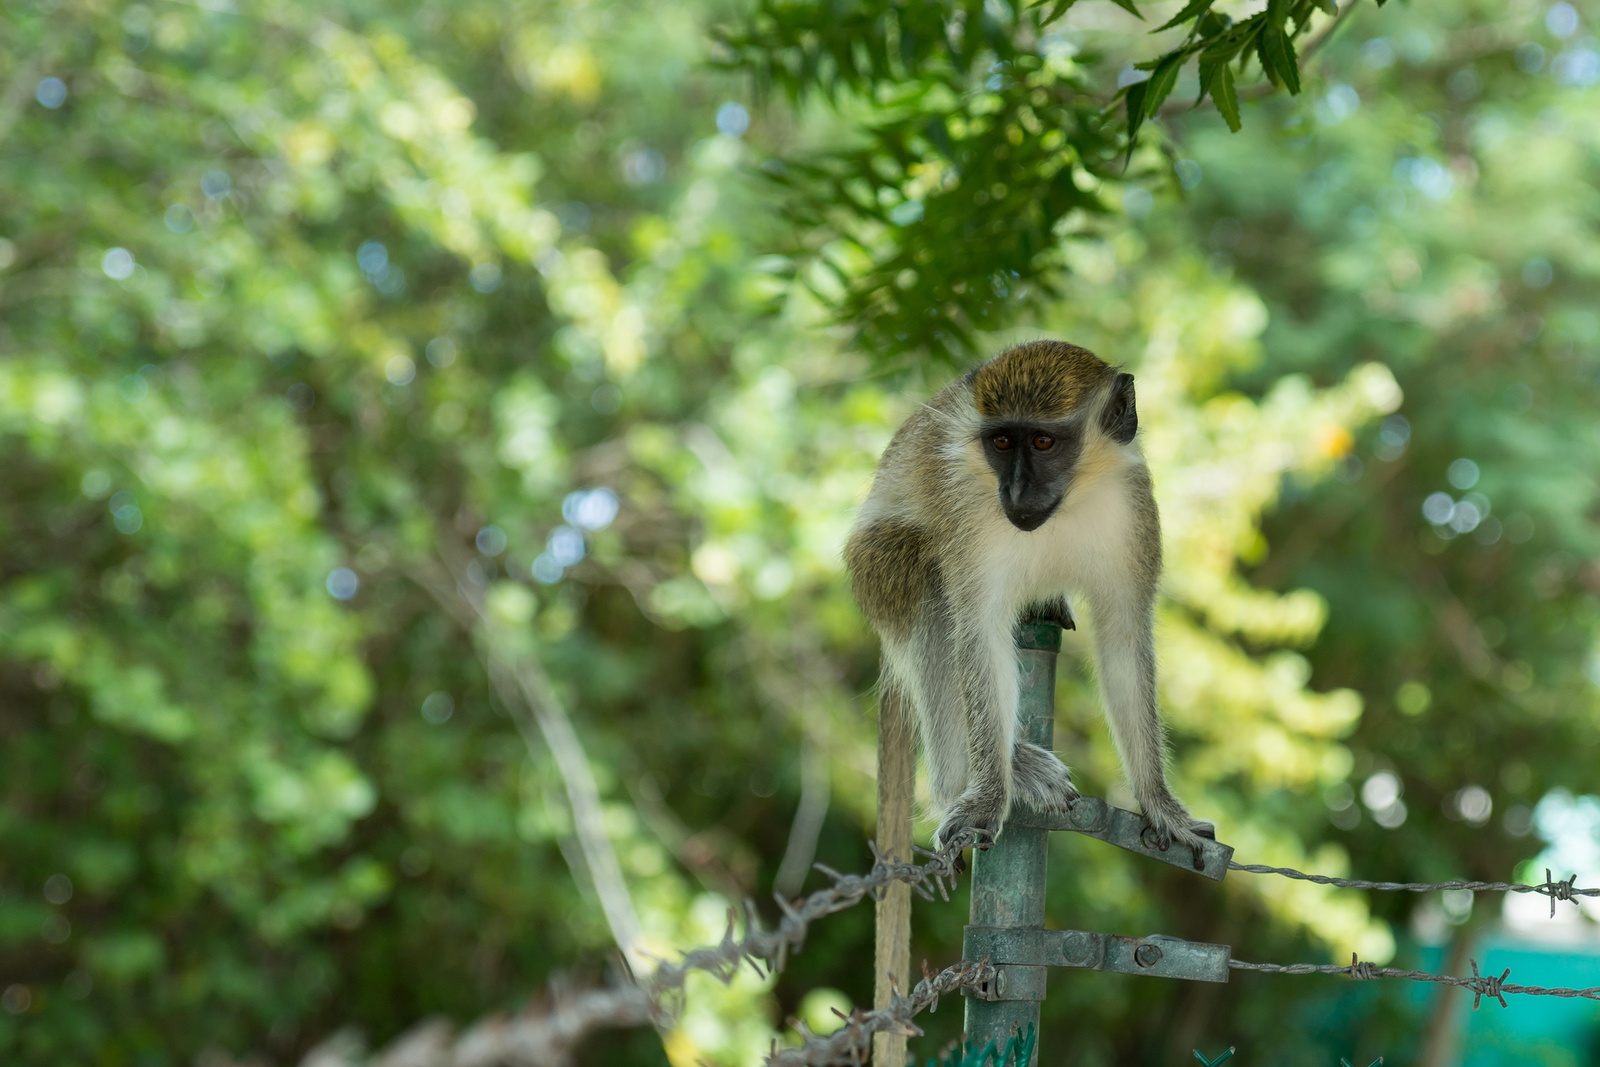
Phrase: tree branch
(525, 690)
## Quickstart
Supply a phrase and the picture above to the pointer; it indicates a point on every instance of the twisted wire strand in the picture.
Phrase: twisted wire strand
(1482, 985)
(1556, 890)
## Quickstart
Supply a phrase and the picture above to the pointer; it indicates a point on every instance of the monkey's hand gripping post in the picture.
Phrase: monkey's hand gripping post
(1008, 885)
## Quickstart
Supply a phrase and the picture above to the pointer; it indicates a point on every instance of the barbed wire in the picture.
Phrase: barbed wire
(547, 1036)
(1555, 890)
(852, 1043)
(1482, 985)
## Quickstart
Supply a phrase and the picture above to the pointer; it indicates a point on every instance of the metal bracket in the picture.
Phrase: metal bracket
(1014, 948)
(1128, 830)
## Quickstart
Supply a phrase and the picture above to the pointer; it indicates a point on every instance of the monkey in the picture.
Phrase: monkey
(1016, 488)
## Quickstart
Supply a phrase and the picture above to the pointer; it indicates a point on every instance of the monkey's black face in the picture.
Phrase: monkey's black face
(1035, 461)
(1034, 464)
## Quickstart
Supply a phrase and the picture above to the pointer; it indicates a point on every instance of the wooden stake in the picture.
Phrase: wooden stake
(897, 768)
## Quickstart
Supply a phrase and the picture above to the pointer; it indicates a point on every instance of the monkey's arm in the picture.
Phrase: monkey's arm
(1123, 603)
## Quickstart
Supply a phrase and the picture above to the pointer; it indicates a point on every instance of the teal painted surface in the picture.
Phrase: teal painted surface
(1008, 880)
(1533, 1031)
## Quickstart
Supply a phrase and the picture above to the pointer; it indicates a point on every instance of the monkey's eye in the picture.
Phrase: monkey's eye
(1001, 441)
(1043, 441)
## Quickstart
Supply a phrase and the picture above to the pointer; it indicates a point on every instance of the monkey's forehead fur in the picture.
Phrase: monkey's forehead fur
(1049, 379)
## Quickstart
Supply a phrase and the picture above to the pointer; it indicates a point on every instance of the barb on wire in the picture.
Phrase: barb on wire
(1556, 890)
(1482, 985)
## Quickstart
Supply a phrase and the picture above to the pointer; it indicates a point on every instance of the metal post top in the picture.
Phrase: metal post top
(1043, 636)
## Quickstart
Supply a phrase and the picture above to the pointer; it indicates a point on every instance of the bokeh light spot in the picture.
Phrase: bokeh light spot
(441, 351)
(1561, 20)
(733, 119)
(400, 370)
(491, 540)
(590, 509)
(546, 570)
(565, 546)
(1537, 273)
(117, 263)
(485, 277)
(343, 583)
(58, 889)
(438, 706)
(50, 92)
(216, 184)
(1463, 473)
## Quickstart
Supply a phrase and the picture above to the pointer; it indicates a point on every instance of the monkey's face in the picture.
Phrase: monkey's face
(1034, 463)
(1035, 458)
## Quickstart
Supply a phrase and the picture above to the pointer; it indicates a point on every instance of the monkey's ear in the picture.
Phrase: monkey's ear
(1120, 420)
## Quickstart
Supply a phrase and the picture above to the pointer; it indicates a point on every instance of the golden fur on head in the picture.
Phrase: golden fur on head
(1048, 379)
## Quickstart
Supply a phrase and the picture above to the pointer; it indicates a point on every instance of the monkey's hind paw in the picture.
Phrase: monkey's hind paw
(971, 822)
(1039, 780)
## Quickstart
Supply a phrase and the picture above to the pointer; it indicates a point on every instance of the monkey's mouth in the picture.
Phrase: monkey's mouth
(1029, 520)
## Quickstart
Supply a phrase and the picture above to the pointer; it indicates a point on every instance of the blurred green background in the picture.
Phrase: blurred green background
(321, 324)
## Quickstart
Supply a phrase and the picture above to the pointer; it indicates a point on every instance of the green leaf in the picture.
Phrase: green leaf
(1330, 7)
(1057, 9)
(1227, 101)
(1266, 63)
(1278, 12)
(1127, 5)
(1193, 9)
(1278, 50)
(1161, 82)
(1135, 115)
(1208, 74)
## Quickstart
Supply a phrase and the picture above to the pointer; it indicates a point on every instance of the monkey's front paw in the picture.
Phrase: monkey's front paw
(1039, 780)
(971, 822)
(1173, 825)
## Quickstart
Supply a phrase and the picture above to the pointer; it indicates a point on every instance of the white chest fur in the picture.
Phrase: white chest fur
(1081, 547)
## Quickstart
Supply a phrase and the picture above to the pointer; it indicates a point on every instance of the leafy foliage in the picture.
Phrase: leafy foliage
(986, 130)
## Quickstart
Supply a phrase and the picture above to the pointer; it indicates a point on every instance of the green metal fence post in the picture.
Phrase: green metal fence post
(1008, 880)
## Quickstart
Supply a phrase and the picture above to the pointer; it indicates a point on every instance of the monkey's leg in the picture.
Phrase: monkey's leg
(985, 667)
(1126, 661)
(922, 668)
